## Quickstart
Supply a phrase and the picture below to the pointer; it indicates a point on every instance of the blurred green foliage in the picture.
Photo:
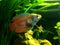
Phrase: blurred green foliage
(8, 9)
(58, 31)
(58, 28)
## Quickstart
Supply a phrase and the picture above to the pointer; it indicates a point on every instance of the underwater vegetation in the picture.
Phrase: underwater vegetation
(29, 22)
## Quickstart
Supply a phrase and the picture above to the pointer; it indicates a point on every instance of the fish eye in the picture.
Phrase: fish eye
(37, 16)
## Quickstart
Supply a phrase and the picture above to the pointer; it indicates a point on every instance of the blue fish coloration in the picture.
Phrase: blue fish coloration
(23, 22)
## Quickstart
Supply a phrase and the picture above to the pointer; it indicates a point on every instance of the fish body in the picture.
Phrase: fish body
(23, 22)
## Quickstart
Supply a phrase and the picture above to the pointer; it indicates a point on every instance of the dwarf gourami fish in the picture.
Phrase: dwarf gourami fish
(23, 22)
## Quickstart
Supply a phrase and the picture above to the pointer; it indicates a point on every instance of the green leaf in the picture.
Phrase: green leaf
(58, 24)
(7, 8)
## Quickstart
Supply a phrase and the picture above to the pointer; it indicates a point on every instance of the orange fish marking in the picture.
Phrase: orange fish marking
(20, 23)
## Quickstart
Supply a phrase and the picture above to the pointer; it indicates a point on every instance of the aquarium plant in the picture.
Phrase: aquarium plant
(11, 8)
(58, 31)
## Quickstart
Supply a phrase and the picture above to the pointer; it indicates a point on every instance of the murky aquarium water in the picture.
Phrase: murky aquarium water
(29, 22)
